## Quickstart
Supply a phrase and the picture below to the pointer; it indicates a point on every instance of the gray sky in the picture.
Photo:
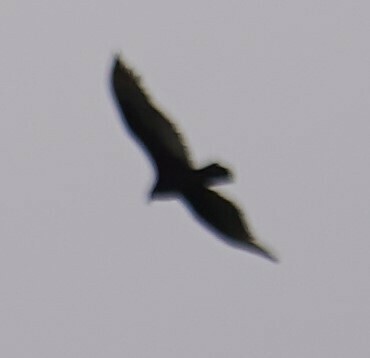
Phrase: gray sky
(277, 90)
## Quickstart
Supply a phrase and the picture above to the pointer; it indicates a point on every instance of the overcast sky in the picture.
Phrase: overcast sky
(277, 90)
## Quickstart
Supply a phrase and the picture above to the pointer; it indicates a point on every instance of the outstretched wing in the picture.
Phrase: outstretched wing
(155, 132)
(224, 217)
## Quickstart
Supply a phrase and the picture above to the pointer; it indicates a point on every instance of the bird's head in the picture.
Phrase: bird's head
(160, 191)
(154, 193)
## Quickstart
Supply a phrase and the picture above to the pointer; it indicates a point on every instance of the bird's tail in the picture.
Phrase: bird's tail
(214, 174)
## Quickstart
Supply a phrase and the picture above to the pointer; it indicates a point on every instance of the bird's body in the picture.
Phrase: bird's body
(176, 174)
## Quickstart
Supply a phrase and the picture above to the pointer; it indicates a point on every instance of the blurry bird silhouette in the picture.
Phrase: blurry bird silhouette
(176, 174)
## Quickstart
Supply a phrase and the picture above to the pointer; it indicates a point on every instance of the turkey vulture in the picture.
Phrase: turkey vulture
(176, 175)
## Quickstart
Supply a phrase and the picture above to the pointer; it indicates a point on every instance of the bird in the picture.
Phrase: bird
(176, 175)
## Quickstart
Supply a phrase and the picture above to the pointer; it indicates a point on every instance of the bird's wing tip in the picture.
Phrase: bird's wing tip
(261, 250)
(117, 57)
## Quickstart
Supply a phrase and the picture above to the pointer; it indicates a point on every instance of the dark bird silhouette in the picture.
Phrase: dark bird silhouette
(176, 174)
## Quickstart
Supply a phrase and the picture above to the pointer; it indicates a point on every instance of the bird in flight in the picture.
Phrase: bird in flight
(176, 175)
